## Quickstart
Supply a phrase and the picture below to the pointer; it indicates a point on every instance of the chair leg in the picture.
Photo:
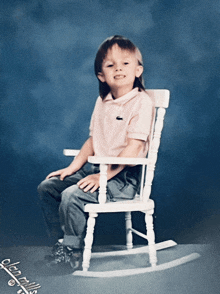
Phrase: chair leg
(128, 225)
(151, 237)
(88, 241)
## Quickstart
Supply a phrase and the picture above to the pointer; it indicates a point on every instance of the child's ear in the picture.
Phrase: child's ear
(101, 77)
(139, 71)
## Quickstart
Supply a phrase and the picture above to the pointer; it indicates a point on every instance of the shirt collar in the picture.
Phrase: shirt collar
(123, 99)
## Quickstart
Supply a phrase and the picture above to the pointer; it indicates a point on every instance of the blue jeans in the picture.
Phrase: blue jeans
(63, 202)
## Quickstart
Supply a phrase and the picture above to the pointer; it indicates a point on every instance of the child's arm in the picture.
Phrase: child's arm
(77, 163)
(91, 182)
(131, 150)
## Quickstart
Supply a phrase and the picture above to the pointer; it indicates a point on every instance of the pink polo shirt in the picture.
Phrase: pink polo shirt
(115, 120)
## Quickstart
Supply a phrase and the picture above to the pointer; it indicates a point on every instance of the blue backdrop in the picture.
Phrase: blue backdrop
(48, 90)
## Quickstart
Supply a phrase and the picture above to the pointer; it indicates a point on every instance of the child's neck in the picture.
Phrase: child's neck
(117, 93)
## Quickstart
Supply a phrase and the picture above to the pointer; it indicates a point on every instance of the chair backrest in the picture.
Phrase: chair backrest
(161, 97)
(161, 101)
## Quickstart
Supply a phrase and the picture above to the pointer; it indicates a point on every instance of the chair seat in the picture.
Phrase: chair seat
(129, 205)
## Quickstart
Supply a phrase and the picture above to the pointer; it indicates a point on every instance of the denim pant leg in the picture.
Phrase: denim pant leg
(63, 203)
(125, 185)
(50, 197)
(72, 216)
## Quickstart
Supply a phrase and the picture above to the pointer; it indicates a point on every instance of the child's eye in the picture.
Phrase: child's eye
(109, 65)
(126, 63)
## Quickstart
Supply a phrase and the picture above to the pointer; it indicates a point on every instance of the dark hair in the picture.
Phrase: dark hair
(123, 43)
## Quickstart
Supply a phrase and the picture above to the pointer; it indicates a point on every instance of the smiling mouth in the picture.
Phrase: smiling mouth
(119, 77)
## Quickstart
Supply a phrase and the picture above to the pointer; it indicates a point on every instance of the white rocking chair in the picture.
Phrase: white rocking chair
(141, 203)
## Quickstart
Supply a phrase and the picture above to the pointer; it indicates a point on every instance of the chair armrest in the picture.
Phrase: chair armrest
(70, 152)
(108, 160)
(117, 160)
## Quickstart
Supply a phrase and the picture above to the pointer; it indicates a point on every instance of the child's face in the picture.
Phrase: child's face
(119, 69)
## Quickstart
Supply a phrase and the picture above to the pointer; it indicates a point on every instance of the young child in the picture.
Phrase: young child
(120, 126)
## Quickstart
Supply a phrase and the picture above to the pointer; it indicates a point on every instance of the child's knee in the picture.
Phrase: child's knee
(69, 193)
(43, 186)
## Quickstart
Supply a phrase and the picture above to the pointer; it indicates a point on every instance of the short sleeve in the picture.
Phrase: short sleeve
(140, 123)
(91, 127)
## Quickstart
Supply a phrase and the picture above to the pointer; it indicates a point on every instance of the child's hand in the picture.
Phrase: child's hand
(89, 183)
(61, 172)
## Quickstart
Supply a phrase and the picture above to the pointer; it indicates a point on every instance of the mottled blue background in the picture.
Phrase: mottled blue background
(48, 90)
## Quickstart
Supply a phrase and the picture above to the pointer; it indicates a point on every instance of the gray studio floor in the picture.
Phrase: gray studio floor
(200, 276)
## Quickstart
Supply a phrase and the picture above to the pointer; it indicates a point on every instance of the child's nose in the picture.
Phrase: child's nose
(118, 67)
